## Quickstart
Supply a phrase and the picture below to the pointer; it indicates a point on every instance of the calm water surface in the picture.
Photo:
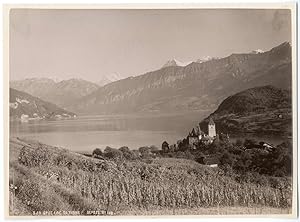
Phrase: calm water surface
(88, 132)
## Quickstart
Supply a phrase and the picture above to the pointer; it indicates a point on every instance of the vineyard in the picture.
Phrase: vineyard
(54, 179)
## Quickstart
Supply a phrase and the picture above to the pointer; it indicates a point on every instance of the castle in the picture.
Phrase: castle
(197, 135)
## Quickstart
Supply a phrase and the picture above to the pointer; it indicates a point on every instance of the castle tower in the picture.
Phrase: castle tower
(211, 128)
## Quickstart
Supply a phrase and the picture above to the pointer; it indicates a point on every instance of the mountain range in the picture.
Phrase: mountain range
(175, 62)
(22, 103)
(177, 86)
(61, 93)
(196, 86)
(265, 110)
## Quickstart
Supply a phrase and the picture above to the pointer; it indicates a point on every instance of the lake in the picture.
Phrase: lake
(86, 133)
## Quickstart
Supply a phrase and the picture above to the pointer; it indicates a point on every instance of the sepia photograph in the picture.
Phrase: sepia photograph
(151, 111)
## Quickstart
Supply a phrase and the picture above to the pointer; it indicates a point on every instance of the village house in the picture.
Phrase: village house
(24, 118)
(268, 146)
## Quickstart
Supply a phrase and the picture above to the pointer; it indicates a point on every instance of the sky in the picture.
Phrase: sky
(90, 44)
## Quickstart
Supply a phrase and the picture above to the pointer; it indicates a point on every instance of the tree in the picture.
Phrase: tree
(224, 138)
(199, 157)
(212, 148)
(282, 159)
(136, 154)
(154, 149)
(250, 143)
(165, 147)
(127, 153)
(178, 142)
(261, 144)
(124, 149)
(183, 145)
(239, 143)
(243, 162)
(97, 153)
(227, 159)
(112, 153)
(145, 152)
(172, 148)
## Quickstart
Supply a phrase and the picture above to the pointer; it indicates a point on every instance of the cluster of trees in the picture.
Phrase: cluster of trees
(181, 145)
(274, 162)
(240, 157)
(124, 153)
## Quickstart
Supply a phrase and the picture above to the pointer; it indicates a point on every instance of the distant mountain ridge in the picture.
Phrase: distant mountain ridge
(60, 93)
(197, 86)
(259, 110)
(175, 62)
(106, 79)
(24, 104)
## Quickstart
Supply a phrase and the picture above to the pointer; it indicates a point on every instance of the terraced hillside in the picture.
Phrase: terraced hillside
(51, 178)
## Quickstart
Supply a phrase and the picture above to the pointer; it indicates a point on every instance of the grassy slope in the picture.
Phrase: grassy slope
(48, 178)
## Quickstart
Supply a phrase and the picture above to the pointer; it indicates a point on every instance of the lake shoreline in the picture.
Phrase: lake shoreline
(86, 133)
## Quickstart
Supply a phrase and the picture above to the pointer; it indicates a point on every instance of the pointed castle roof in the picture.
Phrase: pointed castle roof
(193, 133)
(211, 121)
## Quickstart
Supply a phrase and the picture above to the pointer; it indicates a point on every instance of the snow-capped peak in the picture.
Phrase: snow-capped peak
(114, 77)
(57, 79)
(257, 51)
(109, 78)
(175, 62)
(206, 58)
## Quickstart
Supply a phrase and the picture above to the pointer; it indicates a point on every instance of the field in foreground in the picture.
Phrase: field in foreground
(212, 211)
(51, 180)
